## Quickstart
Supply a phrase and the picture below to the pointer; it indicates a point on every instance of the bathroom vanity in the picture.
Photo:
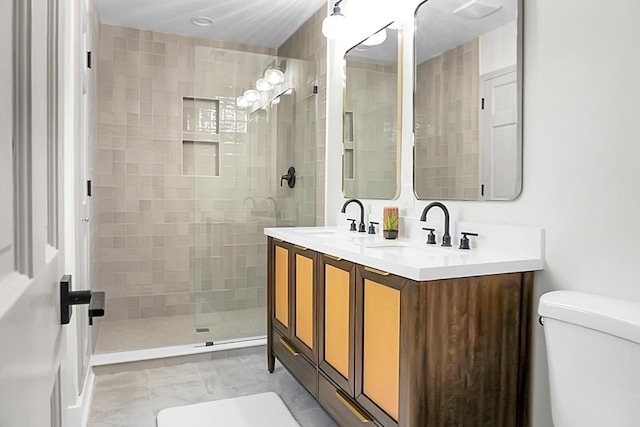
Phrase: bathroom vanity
(400, 333)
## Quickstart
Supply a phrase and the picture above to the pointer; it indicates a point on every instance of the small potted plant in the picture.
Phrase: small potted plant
(390, 222)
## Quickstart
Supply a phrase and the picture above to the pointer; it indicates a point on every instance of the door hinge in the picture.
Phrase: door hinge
(88, 59)
(482, 190)
(89, 188)
(482, 108)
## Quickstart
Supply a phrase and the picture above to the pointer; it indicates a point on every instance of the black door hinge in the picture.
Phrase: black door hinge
(89, 59)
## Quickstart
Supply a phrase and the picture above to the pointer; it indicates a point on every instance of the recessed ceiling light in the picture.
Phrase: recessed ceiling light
(202, 21)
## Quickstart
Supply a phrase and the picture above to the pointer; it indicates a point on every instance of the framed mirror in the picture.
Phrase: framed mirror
(468, 100)
(372, 111)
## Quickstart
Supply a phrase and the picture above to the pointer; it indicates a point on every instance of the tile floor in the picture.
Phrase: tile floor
(154, 332)
(134, 398)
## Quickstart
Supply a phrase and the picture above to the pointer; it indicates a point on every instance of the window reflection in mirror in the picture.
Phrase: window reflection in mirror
(371, 115)
(467, 101)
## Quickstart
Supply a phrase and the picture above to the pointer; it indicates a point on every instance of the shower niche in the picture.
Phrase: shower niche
(200, 137)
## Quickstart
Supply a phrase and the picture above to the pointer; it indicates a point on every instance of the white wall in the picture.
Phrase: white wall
(498, 48)
(581, 151)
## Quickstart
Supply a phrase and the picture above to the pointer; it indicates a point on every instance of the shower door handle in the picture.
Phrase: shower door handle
(290, 177)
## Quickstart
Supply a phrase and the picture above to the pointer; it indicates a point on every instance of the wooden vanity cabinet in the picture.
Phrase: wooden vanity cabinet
(292, 315)
(394, 352)
(452, 352)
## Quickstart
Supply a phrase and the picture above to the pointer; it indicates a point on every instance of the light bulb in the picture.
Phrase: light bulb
(263, 85)
(274, 76)
(251, 94)
(241, 102)
(377, 38)
(334, 26)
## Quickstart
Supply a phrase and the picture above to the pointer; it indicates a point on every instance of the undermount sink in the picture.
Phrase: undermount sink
(318, 232)
(406, 250)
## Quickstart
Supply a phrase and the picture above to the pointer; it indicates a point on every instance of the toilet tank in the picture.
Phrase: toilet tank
(593, 352)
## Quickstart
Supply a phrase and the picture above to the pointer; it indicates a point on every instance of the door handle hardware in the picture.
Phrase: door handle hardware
(302, 248)
(335, 258)
(355, 411)
(69, 298)
(289, 347)
(85, 220)
(379, 272)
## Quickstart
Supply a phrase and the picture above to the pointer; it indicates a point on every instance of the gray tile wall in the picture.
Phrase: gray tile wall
(372, 98)
(447, 131)
(168, 244)
(309, 44)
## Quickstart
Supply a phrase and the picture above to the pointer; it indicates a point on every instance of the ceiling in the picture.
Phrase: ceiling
(438, 29)
(266, 23)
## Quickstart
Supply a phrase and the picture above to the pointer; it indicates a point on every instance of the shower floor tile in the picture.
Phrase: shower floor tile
(154, 332)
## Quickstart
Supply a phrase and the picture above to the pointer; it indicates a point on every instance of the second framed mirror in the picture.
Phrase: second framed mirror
(372, 113)
(468, 100)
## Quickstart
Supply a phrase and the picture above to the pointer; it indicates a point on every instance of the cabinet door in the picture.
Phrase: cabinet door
(303, 315)
(378, 297)
(336, 320)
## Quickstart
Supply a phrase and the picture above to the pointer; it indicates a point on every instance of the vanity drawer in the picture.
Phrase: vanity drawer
(297, 364)
(341, 406)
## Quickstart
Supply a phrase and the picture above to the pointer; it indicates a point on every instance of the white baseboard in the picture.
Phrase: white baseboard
(78, 415)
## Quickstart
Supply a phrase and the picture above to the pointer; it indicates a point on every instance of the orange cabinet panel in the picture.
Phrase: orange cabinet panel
(282, 285)
(337, 312)
(304, 310)
(381, 346)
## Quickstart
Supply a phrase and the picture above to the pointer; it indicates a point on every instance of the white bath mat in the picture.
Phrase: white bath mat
(255, 410)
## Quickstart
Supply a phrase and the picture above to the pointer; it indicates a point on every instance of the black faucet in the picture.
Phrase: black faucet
(344, 209)
(446, 238)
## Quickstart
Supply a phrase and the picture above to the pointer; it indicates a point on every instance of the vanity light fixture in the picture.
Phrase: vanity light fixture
(377, 38)
(334, 26)
(274, 75)
(251, 94)
(475, 9)
(263, 85)
(201, 21)
(241, 102)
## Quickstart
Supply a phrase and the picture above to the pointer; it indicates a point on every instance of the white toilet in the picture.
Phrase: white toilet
(593, 350)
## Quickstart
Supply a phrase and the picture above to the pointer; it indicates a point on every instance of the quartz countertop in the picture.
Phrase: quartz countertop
(490, 254)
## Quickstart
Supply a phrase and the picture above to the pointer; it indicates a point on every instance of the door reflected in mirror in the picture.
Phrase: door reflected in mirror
(468, 100)
(371, 115)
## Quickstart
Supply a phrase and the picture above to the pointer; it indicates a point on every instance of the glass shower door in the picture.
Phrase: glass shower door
(237, 189)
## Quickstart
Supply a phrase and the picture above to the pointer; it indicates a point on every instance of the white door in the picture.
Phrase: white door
(33, 341)
(499, 141)
(82, 177)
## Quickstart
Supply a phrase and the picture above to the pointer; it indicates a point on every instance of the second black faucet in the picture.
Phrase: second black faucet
(446, 238)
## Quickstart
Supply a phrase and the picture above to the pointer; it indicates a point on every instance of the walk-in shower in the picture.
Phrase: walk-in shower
(186, 179)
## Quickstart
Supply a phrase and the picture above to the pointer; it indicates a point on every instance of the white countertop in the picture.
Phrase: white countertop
(490, 254)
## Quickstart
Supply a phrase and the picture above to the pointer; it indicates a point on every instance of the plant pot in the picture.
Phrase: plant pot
(390, 234)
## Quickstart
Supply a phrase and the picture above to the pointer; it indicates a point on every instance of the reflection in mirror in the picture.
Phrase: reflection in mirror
(467, 101)
(371, 117)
